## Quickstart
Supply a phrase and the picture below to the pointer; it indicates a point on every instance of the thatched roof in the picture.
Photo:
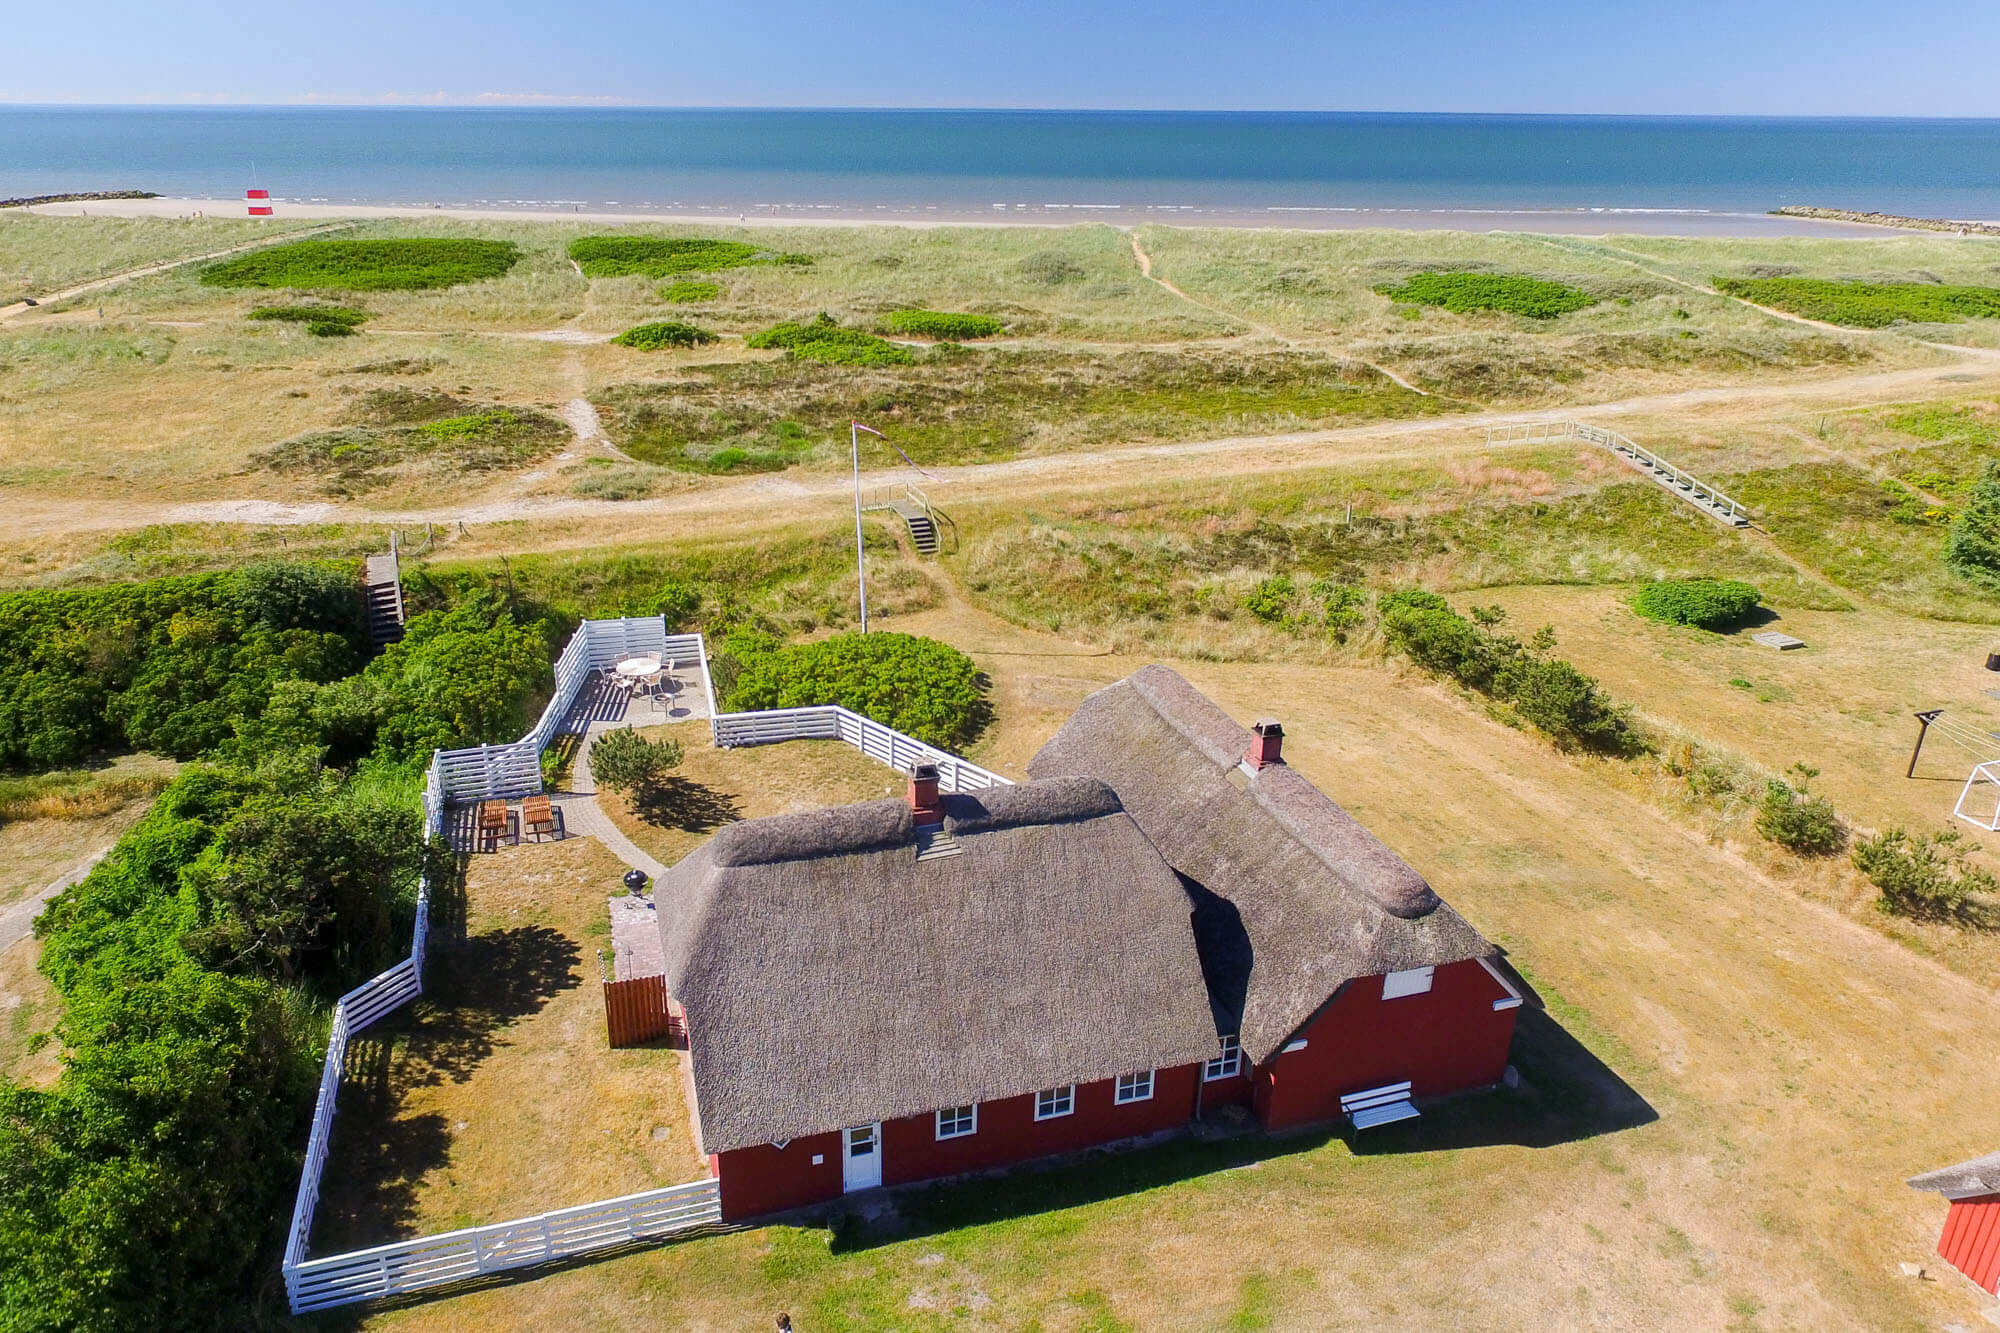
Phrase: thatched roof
(1293, 896)
(831, 979)
(1981, 1175)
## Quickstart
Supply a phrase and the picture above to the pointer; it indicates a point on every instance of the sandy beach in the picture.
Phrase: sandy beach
(1580, 222)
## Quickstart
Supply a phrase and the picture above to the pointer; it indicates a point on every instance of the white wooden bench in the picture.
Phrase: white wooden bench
(1378, 1106)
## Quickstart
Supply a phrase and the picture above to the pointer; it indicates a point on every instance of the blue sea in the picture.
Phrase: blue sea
(1275, 168)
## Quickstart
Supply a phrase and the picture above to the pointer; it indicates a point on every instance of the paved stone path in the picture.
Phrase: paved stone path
(582, 815)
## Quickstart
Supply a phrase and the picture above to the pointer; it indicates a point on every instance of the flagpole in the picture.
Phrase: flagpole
(860, 561)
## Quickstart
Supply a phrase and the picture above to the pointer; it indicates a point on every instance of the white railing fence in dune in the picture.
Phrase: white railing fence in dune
(830, 722)
(501, 771)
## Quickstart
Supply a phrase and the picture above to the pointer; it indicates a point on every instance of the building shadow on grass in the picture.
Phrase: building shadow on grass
(1566, 1094)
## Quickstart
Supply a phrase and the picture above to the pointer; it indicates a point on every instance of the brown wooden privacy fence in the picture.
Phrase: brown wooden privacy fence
(635, 1012)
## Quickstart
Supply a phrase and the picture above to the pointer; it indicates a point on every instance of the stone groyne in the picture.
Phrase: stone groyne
(1886, 220)
(83, 198)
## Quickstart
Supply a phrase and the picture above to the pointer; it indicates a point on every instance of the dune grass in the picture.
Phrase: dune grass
(657, 256)
(980, 405)
(1508, 293)
(403, 264)
(942, 325)
(322, 321)
(690, 292)
(1868, 305)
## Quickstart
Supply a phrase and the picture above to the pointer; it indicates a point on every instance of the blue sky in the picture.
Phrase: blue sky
(1750, 57)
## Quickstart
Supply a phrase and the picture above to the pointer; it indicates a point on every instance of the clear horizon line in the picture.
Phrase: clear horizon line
(535, 102)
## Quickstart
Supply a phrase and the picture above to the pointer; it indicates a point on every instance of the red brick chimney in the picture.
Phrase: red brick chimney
(926, 806)
(1267, 739)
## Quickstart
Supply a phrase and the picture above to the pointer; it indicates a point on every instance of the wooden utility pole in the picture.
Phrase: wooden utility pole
(1925, 718)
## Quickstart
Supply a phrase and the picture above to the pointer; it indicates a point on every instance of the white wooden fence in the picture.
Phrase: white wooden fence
(458, 1256)
(513, 770)
(496, 772)
(484, 771)
(878, 742)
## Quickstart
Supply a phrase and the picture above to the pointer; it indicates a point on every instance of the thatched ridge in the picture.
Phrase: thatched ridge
(1293, 897)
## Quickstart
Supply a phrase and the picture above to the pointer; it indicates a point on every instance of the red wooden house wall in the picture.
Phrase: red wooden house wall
(1971, 1239)
(769, 1179)
(1448, 1039)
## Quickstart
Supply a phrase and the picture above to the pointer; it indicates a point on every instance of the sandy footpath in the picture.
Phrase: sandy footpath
(1579, 222)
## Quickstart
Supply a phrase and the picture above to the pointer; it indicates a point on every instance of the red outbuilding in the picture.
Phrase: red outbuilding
(1165, 921)
(1971, 1239)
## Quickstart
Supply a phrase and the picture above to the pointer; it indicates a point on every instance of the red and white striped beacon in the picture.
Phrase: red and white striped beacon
(260, 203)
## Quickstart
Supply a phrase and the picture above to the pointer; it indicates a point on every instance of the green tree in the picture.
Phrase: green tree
(1928, 877)
(1794, 818)
(627, 761)
(1973, 547)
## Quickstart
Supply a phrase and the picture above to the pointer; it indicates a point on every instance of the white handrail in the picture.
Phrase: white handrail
(1567, 429)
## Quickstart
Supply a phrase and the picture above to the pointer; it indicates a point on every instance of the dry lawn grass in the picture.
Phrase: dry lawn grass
(1800, 1066)
(497, 1094)
(43, 836)
(714, 787)
(29, 1007)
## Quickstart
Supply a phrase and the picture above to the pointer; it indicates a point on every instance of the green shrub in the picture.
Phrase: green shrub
(1707, 603)
(171, 665)
(628, 762)
(1867, 305)
(826, 339)
(1791, 816)
(1927, 878)
(469, 675)
(1973, 547)
(657, 256)
(653, 337)
(1343, 607)
(138, 1192)
(321, 321)
(690, 293)
(942, 325)
(1510, 293)
(1545, 691)
(921, 687)
(1271, 600)
(366, 266)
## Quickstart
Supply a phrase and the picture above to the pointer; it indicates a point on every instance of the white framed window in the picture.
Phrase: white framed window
(1416, 981)
(1227, 1065)
(956, 1122)
(780, 1144)
(1134, 1088)
(1055, 1102)
(1291, 1046)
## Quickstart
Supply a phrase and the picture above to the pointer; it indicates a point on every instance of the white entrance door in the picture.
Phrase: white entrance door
(861, 1158)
